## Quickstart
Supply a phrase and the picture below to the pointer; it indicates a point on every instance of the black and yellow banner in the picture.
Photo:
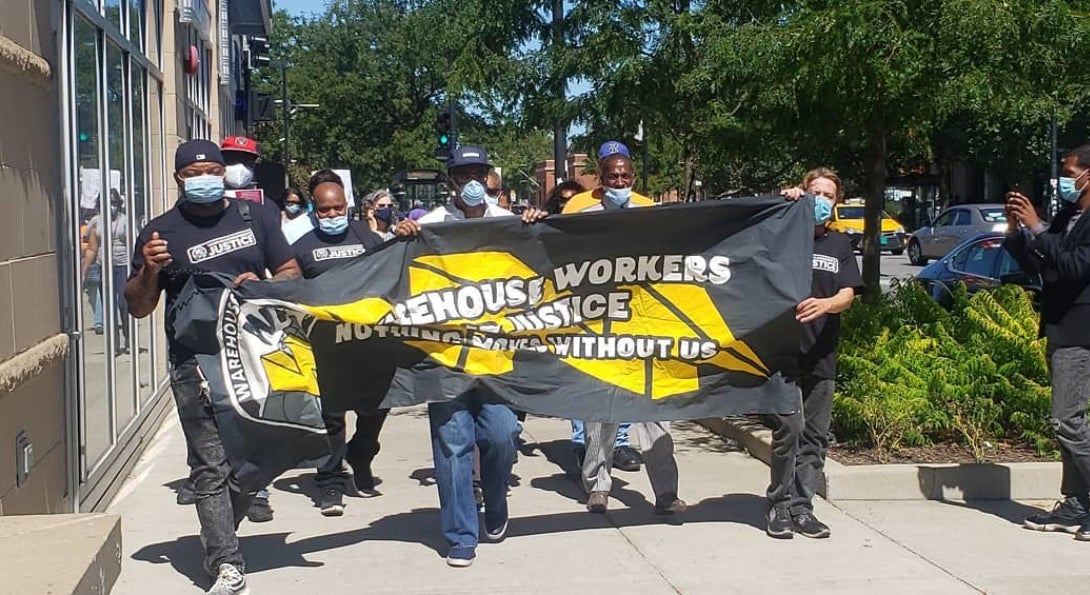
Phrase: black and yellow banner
(661, 313)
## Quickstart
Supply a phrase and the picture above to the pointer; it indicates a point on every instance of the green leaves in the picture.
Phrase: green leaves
(975, 373)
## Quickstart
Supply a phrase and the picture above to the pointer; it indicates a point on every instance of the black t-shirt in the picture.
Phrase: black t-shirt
(224, 243)
(317, 252)
(834, 269)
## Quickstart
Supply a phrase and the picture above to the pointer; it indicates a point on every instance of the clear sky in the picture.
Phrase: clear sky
(299, 6)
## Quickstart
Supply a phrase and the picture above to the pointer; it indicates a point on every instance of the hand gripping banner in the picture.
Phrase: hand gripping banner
(665, 313)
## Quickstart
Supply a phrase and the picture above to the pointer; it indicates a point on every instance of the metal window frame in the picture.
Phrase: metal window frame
(81, 474)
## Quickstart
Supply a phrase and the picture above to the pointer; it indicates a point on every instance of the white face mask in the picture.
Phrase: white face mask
(238, 175)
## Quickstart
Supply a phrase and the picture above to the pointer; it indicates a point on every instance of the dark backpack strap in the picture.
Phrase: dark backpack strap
(244, 210)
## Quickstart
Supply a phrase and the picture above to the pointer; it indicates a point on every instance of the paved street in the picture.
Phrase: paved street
(893, 267)
(391, 544)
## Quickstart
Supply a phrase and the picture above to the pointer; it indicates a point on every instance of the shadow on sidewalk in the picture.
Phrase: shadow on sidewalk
(1008, 510)
(271, 551)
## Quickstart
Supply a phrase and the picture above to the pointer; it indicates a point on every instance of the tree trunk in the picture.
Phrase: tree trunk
(687, 176)
(874, 189)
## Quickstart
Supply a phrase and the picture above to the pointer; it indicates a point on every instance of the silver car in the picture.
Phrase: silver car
(952, 227)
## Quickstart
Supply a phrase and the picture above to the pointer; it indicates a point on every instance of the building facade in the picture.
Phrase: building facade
(96, 96)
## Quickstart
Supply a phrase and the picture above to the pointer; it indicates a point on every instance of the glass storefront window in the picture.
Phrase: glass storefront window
(136, 22)
(140, 214)
(96, 408)
(113, 11)
(118, 177)
(119, 240)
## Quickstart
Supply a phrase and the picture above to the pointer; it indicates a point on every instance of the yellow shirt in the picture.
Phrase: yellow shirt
(591, 200)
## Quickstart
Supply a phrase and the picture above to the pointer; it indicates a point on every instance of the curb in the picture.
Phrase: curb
(924, 481)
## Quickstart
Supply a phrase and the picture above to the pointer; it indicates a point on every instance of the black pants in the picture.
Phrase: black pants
(358, 452)
(799, 444)
(1070, 370)
(220, 506)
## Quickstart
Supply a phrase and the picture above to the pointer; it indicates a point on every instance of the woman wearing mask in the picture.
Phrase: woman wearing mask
(119, 249)
(800, 440)
(385, 214)
(293, 208)
(293, 204)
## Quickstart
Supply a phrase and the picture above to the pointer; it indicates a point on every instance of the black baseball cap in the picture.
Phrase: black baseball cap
(468, 155)
(197, 151)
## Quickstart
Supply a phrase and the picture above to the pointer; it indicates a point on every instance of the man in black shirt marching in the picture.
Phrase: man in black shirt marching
(800, 440)
(206, 232)
(335, 240)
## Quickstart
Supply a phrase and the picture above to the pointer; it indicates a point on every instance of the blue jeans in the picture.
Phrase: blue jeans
(579, 436)
(457, 425)
(94, 296)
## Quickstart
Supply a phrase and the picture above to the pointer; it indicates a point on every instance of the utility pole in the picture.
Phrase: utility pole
(248, 93)
(560, 134)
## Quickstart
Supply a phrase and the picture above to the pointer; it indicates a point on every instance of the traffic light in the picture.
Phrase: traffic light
(444, 133)
(257, 52)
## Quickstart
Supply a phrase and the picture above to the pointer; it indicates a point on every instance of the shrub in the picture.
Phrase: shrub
(912, 372)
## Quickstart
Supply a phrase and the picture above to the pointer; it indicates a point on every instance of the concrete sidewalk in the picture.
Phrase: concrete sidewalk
(392, 544)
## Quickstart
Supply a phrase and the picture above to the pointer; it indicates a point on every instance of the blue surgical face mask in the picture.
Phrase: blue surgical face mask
(333, 226)
(203, 190)
(1068, 191)
(293, 208)
(619, 196)
(823, 210)
(384, 214)
(492, 200)
(473, 193)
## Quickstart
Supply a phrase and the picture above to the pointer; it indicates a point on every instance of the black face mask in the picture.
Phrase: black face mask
(385, 214)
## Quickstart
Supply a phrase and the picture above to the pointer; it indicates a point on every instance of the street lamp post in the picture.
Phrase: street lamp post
(288, 109)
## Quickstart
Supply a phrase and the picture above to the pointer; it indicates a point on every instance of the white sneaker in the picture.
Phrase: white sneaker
(229, 582)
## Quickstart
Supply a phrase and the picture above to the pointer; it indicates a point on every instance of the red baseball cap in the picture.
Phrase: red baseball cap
(240, 144)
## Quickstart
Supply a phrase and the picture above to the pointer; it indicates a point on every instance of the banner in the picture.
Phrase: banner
(672, 312)
(251, 194)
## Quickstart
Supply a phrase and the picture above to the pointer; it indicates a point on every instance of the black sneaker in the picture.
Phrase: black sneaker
(260, 511)
(1067, 516)
(364, 482)
(806, 524)
(187, 495)
(1083, 534)
(626, 458)
(332, 502)
(780, 525)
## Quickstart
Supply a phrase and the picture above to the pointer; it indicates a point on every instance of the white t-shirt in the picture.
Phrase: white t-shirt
(296, 228)
(449, 212)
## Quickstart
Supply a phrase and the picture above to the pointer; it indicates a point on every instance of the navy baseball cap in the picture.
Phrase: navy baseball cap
(197, 151)
(612, 147)
(468, 155)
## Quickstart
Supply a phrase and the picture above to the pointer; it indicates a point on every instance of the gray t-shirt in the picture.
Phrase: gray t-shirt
(119, 239)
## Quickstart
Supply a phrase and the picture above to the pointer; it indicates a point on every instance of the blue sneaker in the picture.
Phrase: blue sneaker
(461, 556)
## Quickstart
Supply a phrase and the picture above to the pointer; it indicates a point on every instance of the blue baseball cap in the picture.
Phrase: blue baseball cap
(197, 151)
(612, 147)
(468, 155)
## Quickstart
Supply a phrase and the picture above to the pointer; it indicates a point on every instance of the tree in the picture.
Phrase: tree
(866, 84)
(379, 69)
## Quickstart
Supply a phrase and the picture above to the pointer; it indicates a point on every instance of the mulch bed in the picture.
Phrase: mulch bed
(936, 453)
